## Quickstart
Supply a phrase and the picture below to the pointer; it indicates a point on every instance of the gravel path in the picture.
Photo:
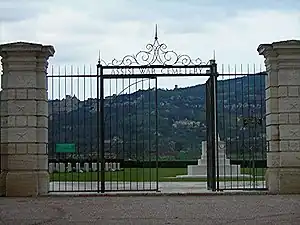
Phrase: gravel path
(192, 210)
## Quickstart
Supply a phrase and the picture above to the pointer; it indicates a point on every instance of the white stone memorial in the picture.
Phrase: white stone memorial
(118, 166)
(106, 167)
(225, 168)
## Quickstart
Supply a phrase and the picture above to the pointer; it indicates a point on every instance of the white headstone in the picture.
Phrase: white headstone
(106, 167)
(69, 167)
(94, 167)
(118, 166)
(51, 167)
(56, 167)
(109, 166)
(77, 167)
(62, 167)
(114, 166)
(86, 167)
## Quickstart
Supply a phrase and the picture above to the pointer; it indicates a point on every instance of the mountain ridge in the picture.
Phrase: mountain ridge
(131, 119)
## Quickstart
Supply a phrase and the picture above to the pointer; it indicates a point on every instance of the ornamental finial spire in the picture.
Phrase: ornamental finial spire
(156, 37)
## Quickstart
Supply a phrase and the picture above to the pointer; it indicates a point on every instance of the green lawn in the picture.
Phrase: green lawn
(146, 174)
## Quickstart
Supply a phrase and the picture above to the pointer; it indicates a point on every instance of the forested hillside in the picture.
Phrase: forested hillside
(130, 121)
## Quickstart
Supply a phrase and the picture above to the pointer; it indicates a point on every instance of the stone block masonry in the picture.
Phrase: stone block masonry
(282, 61)
(24, 119)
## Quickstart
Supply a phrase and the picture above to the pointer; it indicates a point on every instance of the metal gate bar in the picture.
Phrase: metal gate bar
(211, 129)
(211, 166)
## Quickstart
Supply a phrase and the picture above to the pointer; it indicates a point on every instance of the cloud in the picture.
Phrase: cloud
(20, 10)
(79, 30)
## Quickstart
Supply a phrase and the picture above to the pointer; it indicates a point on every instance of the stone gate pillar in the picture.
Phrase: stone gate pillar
(282, 61)
(24, 119)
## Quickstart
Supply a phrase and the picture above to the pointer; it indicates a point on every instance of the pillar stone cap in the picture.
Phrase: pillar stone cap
(266, 49)
(26, 47)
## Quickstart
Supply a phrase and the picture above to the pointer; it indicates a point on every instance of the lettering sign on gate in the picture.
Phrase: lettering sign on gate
(155, 71)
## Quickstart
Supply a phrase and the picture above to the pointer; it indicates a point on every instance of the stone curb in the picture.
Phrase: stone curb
(156, 194)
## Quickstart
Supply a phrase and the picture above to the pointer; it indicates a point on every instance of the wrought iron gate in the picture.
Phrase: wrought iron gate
(151, 64)
(109, 141)
(236, 139)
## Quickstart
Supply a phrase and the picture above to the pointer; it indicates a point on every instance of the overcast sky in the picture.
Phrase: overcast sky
(79, 29)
